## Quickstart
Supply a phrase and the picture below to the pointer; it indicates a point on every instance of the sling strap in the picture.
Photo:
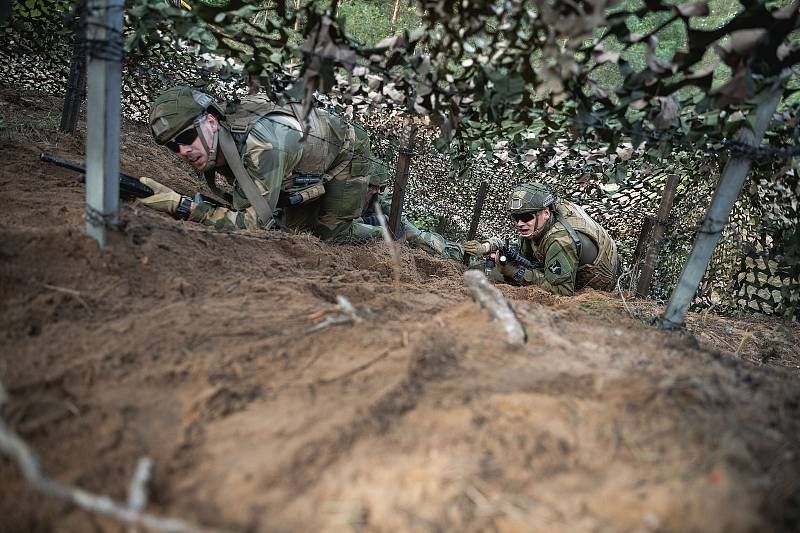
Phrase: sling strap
(251, 191)
(211, 181)
(570, 230)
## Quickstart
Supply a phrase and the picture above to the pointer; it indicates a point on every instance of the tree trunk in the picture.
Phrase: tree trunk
(395, 14)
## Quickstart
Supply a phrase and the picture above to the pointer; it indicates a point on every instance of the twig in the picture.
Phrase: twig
(350, 316)
(493, 301)
(393, 249)
(14, 447)
(348, 309)
(628, 272)
(137, 492)
(72, 292)
(745, 337)
(330, 321)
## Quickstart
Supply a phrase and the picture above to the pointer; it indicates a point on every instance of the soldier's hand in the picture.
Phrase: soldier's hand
(164, 199)
(507, 268)
(512, 271)
(476, 248)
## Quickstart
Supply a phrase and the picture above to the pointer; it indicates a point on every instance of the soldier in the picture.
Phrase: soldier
(318, 182)
(564, 248)
(368, 225)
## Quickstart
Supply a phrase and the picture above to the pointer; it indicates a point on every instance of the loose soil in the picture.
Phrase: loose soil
(192, 347)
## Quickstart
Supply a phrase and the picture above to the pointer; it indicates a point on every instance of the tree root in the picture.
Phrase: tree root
(493, 301)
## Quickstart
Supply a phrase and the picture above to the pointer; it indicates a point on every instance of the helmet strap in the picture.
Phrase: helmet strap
(211, 151)
(535, 223)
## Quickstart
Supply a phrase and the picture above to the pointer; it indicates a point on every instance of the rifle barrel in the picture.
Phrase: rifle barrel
(129, 187)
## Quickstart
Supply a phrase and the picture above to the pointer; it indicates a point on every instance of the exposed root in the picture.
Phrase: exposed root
(130, 513)
(493, 301)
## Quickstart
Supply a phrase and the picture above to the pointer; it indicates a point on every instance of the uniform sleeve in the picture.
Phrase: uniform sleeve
(361, 230)
(224, 219)
(560, 269)
(271, 152)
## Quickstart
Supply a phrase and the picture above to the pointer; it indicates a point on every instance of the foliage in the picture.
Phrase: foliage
(369, 22)
(39, 8)
(24, 11)
(521, 70)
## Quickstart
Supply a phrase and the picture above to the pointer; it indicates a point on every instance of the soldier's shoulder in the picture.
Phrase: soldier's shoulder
(558, 235)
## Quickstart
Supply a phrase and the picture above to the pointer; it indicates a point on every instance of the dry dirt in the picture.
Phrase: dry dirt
(192, 347)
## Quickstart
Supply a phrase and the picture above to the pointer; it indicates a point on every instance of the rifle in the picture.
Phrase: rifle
(510, 253)
(130, 188)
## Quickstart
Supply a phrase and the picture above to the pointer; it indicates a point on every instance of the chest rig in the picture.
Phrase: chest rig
(306, 181)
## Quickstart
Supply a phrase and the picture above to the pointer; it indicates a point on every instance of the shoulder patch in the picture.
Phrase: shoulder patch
(555, 267)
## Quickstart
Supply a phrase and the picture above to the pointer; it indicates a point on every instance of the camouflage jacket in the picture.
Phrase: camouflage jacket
(273, 153)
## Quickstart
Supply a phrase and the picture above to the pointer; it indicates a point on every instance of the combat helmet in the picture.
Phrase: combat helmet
(379, 175)
(176, 109)
(530, 197)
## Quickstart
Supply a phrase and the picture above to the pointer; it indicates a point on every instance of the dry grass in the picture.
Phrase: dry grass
(19, 125)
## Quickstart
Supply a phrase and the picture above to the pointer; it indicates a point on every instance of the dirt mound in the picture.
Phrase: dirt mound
(193, 347)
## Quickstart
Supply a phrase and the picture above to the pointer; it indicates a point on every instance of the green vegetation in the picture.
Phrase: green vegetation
(368, 22)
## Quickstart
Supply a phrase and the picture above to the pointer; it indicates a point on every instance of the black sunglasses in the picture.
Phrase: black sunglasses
(185, 137)
(524, 217)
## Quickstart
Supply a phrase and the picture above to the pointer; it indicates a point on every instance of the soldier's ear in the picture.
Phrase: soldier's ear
(213, 122)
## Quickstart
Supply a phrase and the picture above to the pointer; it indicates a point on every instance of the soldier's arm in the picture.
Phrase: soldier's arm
(364, 231)
(271, 152)
(560, 269)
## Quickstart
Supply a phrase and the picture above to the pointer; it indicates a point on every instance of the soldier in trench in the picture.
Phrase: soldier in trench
(560, 248)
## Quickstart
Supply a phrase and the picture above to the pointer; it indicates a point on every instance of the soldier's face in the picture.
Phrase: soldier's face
(533, 226)
(195, 154)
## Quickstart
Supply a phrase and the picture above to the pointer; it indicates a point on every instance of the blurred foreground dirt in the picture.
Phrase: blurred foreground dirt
(192, 347)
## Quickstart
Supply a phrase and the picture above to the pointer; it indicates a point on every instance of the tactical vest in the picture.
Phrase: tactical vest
(603, 271)
(321, 159)
(316, 148)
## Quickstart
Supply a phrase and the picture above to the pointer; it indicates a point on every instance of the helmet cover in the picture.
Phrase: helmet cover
(529, 197)
(175, 109)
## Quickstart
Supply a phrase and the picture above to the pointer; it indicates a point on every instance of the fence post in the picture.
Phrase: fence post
(654, 243)
(104, 66)
(76, 85)
(400, 181)
(476, 214)
(725, 195)
(644, 238)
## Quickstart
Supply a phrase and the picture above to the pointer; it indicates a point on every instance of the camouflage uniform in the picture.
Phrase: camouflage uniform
(269, 141)
(367, 226)
(575, 251)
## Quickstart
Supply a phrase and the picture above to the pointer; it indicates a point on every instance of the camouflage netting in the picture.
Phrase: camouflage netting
(755, 266)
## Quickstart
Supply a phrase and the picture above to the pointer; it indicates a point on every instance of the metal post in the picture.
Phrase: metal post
(400, 181)
(654, 244)
(104, 60)
(476, 214)
(76, 85)
(725, 195)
